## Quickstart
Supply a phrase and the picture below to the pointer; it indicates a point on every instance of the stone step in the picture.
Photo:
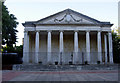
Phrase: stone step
(63, 67)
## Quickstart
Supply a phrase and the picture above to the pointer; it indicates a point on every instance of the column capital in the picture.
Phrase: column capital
(87, 30)
(76, 31)
(37, 31)
(61, 30)
(25, 31)
(49, 30)
(99, 31)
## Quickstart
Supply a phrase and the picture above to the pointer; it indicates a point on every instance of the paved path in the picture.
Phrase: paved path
(83, 75)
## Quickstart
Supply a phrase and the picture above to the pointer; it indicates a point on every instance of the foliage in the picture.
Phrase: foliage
(8, 49)
(9, 25)
(17, 49)
(116, 47)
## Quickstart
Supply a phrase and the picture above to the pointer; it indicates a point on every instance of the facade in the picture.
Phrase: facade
(67, 37)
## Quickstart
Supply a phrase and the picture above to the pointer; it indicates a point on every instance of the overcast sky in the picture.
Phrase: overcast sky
(32, 10)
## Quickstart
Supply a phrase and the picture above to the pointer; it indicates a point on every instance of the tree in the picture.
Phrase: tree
(9, 25)
(116, 47)
(19, 50)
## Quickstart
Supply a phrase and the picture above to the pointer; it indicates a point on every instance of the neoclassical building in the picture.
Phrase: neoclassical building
(67, 37)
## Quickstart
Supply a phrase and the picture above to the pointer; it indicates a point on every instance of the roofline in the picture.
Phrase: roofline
(101, 25)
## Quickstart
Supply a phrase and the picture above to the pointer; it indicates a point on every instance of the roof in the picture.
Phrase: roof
(33, 23)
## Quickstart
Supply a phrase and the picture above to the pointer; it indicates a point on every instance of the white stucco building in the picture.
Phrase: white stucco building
(67, 37)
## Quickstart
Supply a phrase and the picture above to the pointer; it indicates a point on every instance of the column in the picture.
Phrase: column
(61, 47)
(36, 47)
(99, 46)
(105, 42)
(88, 46)
(49, 47)
(110, 48)
(25, 48)
(75, 57)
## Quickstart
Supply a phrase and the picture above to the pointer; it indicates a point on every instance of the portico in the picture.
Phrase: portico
(65, 37)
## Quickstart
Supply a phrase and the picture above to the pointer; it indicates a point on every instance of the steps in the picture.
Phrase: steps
(31, 67)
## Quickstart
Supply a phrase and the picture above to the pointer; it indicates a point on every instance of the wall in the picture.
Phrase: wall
(31, 47)
(93, 47)
(42, 47)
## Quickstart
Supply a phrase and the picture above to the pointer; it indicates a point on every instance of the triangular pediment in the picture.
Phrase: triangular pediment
(67, 16)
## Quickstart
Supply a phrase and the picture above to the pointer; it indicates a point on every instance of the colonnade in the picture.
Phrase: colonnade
(61, 45)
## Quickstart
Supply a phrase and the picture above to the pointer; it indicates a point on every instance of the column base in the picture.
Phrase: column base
(25, 63)
(49, 63)
(111, 63)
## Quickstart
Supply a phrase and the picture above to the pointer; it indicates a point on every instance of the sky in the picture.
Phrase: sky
(119, 17)
(33, 10)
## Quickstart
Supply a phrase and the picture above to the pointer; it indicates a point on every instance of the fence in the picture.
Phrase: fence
(67, 57)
